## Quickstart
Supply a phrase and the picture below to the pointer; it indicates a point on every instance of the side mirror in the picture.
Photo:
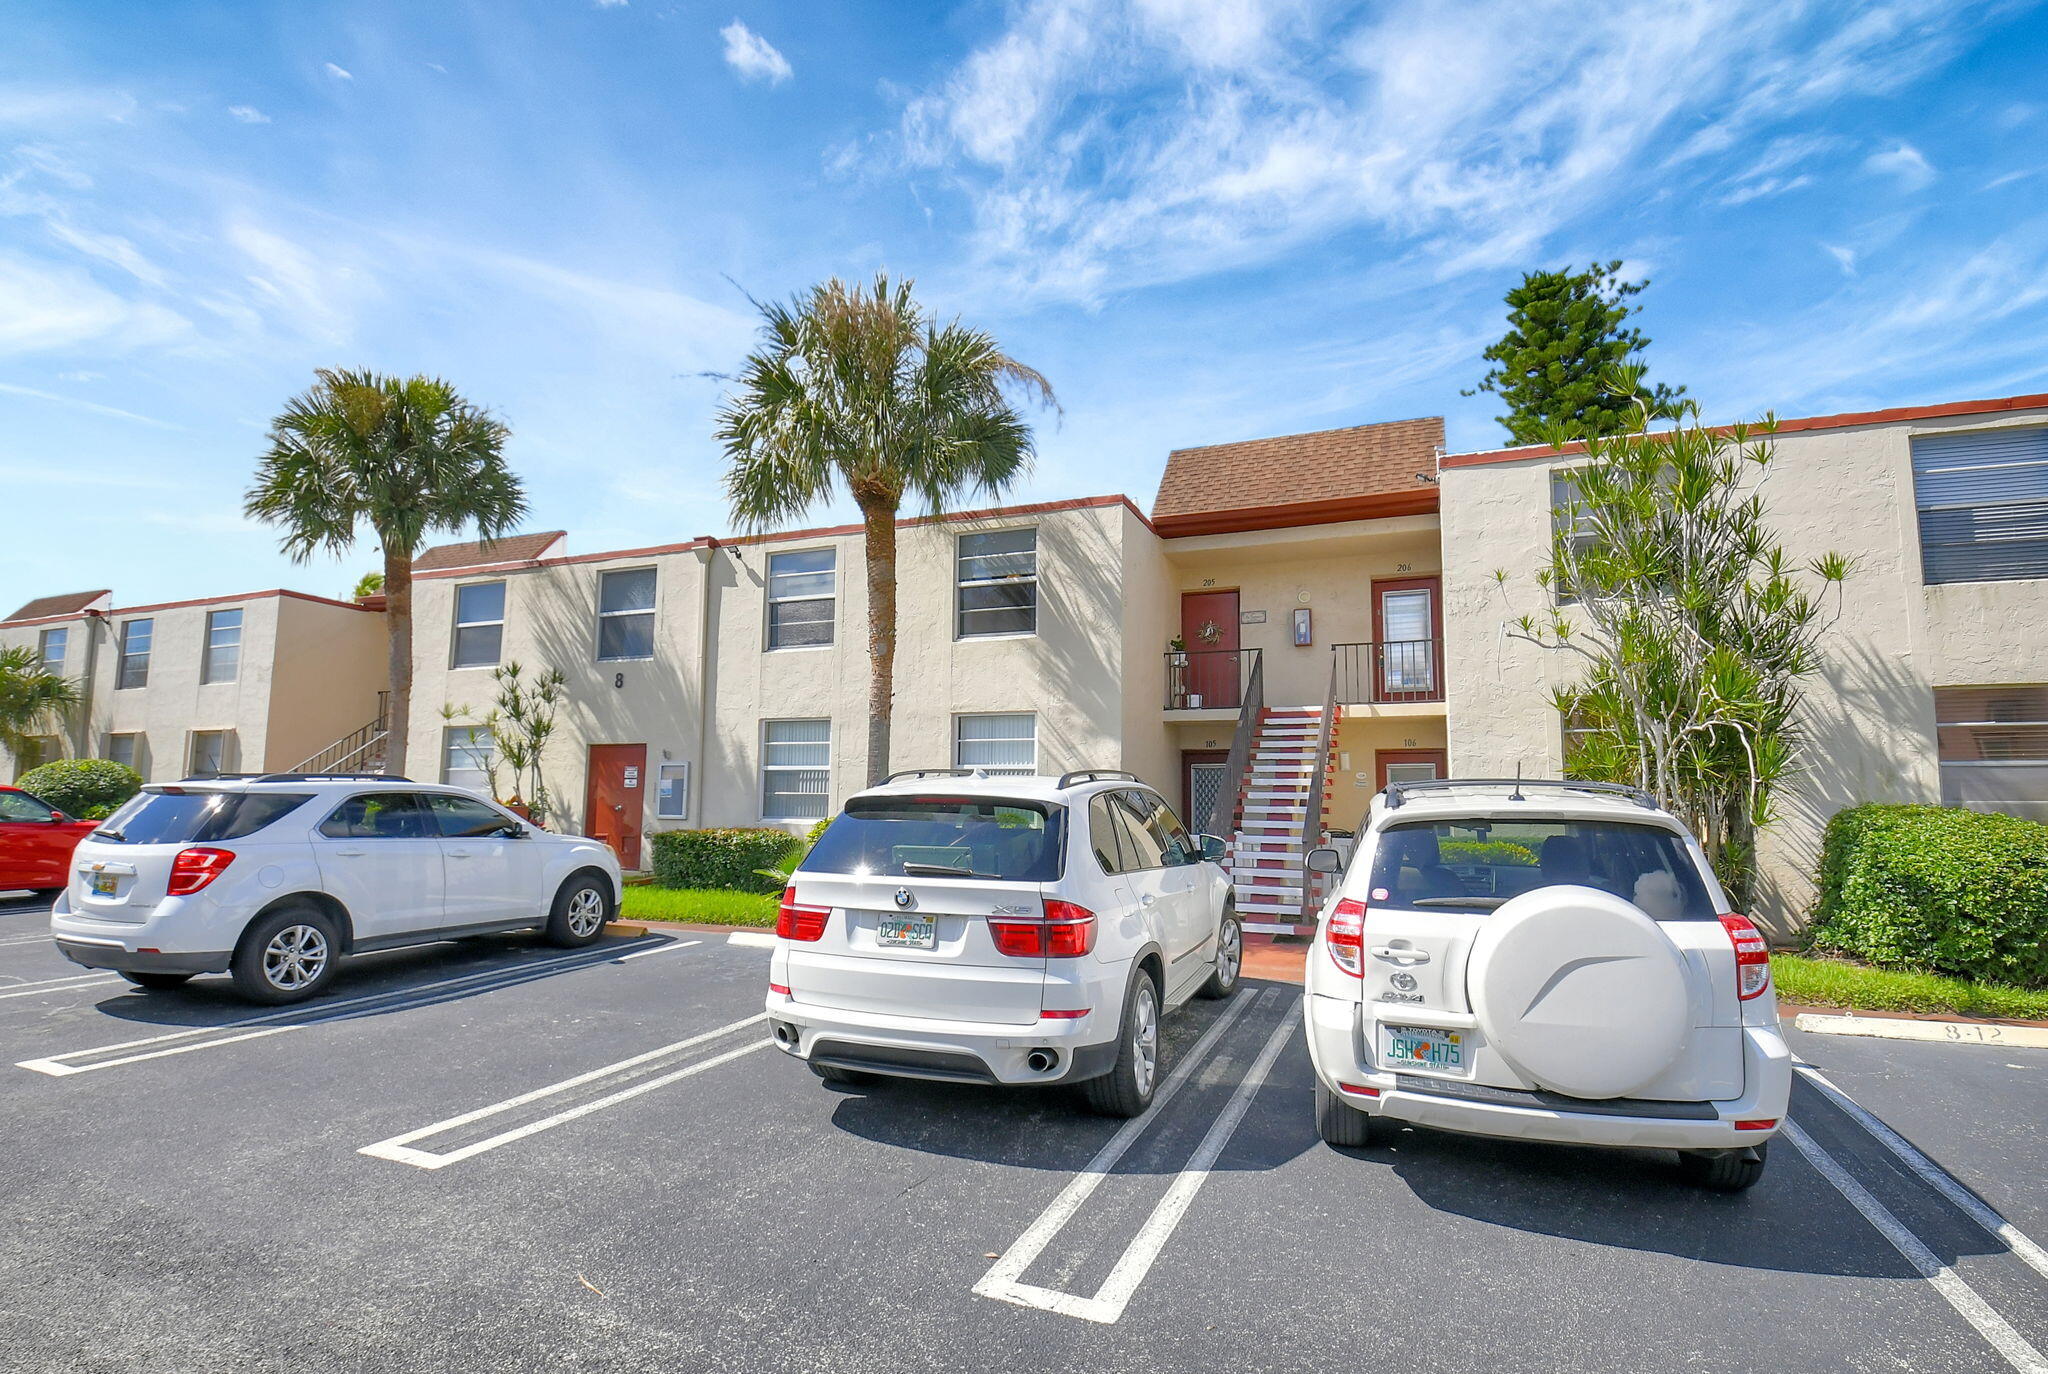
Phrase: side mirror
(58, 817)
(1324, 860)
(514, 831)
(1213, 847)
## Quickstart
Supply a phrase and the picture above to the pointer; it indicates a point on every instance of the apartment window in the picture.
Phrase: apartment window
(133, 670)
(223, 647)
(1993, 747)
(1983, 505)
(796, 769)
(50, 648)
(1571, 522)
(131, 751)
(672, 792)
(998, 583)
(466, 757)
(479, 624)
(625, 614)
(1001, 744)
(800, 598)
(212, 753)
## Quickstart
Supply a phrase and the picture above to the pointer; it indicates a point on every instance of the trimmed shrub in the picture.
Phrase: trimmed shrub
(81, 787)
(720, 858)
(1499, 853)
(1937, 888)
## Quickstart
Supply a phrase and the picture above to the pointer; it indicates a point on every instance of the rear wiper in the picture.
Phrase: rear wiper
(113, 835)
(913, 869)
(1483, 903)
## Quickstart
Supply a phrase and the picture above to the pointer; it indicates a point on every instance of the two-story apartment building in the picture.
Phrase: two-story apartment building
(261, 681)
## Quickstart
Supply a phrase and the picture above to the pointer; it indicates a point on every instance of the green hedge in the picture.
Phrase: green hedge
(1938, 889)
(720, 858)
(87, 788)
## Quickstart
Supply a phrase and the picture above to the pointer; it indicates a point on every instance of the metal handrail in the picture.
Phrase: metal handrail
(1219, 677)
(1365, 669)
(1222, 817)
(351, 748)
(1312, 819)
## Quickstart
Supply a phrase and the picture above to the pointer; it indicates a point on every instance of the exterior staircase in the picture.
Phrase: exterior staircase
(1273, 889)
(360, 751)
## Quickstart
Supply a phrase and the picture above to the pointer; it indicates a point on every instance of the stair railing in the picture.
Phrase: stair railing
(1224, 808)
(1312, 819)
(346, 753)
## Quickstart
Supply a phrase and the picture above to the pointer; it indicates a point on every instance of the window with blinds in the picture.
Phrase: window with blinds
(796, 769)
(1983, 505)
(1993, 745)
(1001, 744)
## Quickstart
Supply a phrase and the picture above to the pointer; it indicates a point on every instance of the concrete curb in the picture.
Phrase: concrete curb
(1946, 1032)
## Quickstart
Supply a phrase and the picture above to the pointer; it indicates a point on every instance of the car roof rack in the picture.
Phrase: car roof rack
(929, 773)
(1096, 775)
(296, 777)
(1399, 792)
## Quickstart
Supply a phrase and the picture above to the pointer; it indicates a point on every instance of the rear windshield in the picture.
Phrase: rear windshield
(943, 837)
(1476, 865)
(196, 817)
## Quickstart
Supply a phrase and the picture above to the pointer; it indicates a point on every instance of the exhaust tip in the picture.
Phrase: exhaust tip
(785, 1035)
(1038, 1061)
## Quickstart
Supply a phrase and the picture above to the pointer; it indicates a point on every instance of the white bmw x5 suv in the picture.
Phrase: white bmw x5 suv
(1544, 960)
(955, 926)
(275, 878)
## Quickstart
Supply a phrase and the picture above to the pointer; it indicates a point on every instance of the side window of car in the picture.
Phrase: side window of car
(1104, 837)
(376, 816)
(461, 818)
(20, 806)
(1149, 840)
(1180, 846)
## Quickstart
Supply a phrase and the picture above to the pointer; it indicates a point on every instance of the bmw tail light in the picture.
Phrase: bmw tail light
(193, 869)
(1752, 956)
(1347, 936)
(1069, 929)
(801, 923)
(1019, 939)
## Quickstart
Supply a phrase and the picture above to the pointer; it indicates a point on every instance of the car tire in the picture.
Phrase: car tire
(1229, 941)
(1729, 1171)
(1127, 1089)
(1339, 1123)
(581, 909)
(851, 1078)
(286, 956)
(158, 981)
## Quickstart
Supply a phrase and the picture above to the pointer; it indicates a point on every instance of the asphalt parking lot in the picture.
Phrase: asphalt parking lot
(496, 1155)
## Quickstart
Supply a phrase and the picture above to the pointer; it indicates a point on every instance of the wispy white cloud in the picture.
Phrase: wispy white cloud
(75, 403)
(248, 114)
(109, 248)
(1844, 256)
(45, 307)
(753, 56)
(339, 73)
(1905, 162)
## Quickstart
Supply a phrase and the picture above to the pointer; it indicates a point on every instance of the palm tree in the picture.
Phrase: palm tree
(402, 457)
(33, 700)
(859, 388)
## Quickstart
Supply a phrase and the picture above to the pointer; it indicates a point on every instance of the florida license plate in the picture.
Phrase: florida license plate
(103, 884)
(907, 932)
(1423, 1047)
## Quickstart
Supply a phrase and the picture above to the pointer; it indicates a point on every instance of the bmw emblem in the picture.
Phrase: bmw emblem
(1403, 981)
(903, 898)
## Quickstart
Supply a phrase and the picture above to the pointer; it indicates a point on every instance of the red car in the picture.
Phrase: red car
(36, 840)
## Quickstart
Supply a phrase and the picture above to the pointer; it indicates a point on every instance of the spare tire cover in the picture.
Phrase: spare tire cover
(1579, 991)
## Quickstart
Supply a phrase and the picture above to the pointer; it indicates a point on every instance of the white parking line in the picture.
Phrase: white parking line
(1964, 1299)
(41, 937)
(1003, 1279)
(72, 983)
(399, 1147)
(317, 1013)
(758, 939)
(1936, 1177)
(658, 949)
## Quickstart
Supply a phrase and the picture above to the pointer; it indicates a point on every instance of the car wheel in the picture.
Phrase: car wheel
(286, 956)
(581, 909)
(852, 1078)
(1340, 1123)
(1126, 1090)
(1723, 1171)
(1229, 955)
(158, 980)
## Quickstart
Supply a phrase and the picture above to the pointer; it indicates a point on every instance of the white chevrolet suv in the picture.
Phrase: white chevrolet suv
(956, 926)
(274, 878)
(1549, 961)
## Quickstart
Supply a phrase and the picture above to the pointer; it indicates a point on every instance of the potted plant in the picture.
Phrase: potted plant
(1177, 670)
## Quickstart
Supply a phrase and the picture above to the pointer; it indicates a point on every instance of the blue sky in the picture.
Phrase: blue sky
(1203, 221)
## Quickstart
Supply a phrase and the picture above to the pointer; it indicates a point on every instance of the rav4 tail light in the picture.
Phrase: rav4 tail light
(1347, 936)
(195, 868)
(1067, 932)
(1752, 956)
(803, 923)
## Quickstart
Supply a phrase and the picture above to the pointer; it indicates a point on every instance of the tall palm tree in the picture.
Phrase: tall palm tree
(400, 458)
(858, 388)
(33, 700)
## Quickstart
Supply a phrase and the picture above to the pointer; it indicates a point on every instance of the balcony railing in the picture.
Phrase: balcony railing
(1390, 671)
(1208, 679)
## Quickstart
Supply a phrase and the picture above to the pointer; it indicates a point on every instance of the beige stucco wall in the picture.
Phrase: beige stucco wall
(1869, 713)
(329, 667)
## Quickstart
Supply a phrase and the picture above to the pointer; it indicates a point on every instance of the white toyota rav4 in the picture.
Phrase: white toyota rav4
(956, 926)
(275, 878)
(1545, 960)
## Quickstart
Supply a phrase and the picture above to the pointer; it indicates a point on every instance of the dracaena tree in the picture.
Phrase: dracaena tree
(858, 389)
(1693, 627)
(396, 459)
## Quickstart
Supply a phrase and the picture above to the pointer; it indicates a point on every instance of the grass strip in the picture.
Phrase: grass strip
(1858, 987)
(712, 906)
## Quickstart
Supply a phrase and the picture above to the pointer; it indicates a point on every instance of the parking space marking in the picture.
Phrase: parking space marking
(758, 939)
(69, 983)
(400, 1147)
(1936, 1177)
(1967, 1302)
(1003, 1281)
(658, 949)
(395, 999)
(40, 937)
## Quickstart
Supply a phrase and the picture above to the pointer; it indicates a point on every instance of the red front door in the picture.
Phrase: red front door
(1408, 624)
(1202, 784)
(616, 801)
(1409, 765)
(1208, 622)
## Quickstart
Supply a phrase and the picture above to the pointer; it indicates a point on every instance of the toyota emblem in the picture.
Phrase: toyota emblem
(903, 897)
(1403, 981)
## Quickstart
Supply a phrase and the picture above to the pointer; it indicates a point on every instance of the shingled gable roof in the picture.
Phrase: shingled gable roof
(1362, 472)
(69, 603)
(510, 548)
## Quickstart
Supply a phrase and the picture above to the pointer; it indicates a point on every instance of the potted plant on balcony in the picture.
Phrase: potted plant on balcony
(1177, 671)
